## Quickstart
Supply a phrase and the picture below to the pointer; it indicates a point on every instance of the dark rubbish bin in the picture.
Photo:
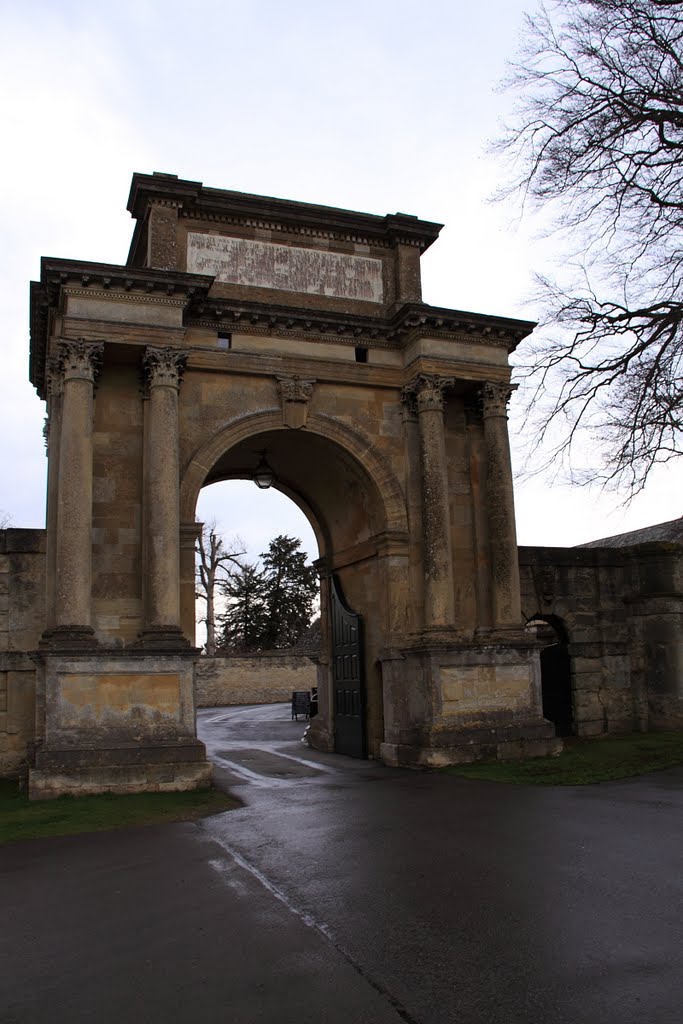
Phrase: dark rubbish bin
(301, 704)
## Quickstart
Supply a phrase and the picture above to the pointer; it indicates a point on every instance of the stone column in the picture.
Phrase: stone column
(163, 369)
(437, 557)
(189, 533)
(51, 432)
(413, 478)
(78, 364)
(500, 506)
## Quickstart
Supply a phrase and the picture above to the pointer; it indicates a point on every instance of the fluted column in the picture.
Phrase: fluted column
(437, 557)
(500, 506)
(163, 369)
(78, 365)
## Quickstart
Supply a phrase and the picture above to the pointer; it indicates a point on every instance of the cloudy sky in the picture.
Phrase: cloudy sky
(376, 106)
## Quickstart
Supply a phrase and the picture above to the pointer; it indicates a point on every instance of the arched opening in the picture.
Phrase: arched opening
(245, 520)
(352, 503)
(556, 687)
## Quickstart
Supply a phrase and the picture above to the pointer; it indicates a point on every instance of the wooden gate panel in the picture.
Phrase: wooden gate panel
(347, 677)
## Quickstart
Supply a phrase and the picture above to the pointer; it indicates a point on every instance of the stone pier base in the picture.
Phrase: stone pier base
(127, 770)
(115, 722)
(499, 741)
(462, 702)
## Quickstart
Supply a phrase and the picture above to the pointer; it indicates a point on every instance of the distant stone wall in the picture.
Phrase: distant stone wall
(622, 612)
(265, 678)
(22, 609)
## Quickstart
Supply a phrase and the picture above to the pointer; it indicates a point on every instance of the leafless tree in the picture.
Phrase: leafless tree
(597, 140)
(5, 519)
(214, 560)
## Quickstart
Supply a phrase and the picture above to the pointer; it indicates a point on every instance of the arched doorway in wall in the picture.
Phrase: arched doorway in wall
(352, 503)
(556, 686)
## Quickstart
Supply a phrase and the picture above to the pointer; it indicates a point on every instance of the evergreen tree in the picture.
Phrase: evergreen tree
(243, 625)
(272, 606)
(291, 589)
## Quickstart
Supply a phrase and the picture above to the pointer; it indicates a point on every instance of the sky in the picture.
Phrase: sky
(375, 106)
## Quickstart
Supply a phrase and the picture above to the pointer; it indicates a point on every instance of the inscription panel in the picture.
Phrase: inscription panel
(288, 268)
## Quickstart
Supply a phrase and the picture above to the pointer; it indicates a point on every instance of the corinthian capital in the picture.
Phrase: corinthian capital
(78, 360)
(427, 390)
(495, 398)
(163, 367)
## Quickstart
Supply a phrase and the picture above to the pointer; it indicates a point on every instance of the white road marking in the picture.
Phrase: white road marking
(308, 920)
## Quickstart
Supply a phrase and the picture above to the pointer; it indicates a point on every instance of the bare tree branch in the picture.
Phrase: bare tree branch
(214, 561)
(597, 140)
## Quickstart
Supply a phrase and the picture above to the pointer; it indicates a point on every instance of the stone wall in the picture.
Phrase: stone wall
(252, 678)
(621, 612)
(22, 607)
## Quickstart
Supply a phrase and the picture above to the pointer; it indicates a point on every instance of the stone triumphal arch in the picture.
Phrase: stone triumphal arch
(241, 325)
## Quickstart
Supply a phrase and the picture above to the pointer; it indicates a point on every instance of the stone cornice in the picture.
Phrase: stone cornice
(154, 299)
(394, 331)
(387, 241)
(211, 204)
(55, 273)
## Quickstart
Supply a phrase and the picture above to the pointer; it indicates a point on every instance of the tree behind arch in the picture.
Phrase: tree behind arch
(243, 624)
(271, 606)
(291, 589)
(214, 562)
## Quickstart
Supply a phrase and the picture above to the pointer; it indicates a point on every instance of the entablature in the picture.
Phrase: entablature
(145, 299)
(404, 324)
(98, 281)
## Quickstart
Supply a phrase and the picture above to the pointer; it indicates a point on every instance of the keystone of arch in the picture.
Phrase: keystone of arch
(375, 465)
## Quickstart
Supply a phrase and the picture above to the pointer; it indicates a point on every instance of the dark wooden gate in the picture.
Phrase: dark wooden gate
(348, 676)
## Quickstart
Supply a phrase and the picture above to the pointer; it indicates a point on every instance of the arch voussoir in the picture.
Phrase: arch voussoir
(373, 463)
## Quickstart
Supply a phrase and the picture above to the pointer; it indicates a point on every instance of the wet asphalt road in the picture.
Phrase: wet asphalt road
(345, 891)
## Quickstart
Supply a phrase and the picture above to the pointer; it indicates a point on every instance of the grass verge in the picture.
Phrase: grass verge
(21, 818)
(585, 760)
